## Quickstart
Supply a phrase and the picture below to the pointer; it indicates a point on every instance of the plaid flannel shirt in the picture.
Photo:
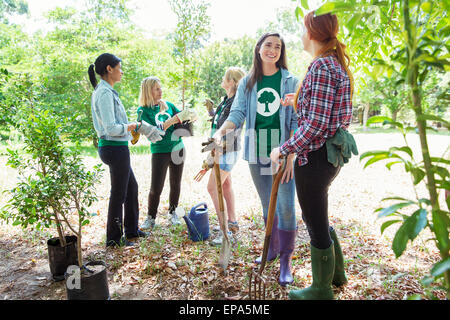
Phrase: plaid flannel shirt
(324, 104)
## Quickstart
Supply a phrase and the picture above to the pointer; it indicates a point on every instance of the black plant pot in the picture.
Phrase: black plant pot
(185, 129)
(93, 285)
(59, 258)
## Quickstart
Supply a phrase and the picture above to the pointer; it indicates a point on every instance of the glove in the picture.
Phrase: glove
(209, 106)
(136, 136)
(340, 148)
(186, 115)
(135, 133)
(151, 132)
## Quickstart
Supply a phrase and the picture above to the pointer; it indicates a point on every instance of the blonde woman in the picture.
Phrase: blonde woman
(227, 161)
(169, 153)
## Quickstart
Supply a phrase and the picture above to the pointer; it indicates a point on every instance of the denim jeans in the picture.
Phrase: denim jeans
(285, 210)
(124, 194)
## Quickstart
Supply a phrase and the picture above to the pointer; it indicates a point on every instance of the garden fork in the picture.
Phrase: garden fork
(257, 280)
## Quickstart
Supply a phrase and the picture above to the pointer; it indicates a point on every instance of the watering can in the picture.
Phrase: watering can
(198, 222)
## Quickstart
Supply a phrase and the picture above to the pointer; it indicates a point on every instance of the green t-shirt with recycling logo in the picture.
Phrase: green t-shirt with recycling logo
(267, 125)
(153, 116)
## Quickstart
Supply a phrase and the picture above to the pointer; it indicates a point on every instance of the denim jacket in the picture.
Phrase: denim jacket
(108, 114)
(244, 109)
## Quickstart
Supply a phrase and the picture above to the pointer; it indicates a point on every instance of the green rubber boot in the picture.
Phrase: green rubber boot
(322, 261)
(339, 278)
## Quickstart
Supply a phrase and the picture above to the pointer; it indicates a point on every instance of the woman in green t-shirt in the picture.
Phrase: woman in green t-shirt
(169, 153)
(258, 102)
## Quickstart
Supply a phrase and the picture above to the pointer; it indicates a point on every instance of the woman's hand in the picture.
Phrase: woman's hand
(289, 170)
(288, 100)
(132, 126)
(218, 137)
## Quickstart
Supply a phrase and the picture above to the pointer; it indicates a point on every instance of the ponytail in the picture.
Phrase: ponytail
(92, 77)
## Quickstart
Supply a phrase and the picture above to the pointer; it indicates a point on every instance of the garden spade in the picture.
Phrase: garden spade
(225, 249)
(257, 281)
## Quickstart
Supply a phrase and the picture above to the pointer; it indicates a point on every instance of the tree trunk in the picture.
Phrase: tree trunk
(366, 115)
(62, 238)
(413, 73)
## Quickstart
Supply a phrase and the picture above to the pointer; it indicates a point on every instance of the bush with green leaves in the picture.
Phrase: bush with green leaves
(54, 190)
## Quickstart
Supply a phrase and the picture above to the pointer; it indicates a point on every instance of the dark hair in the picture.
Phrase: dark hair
(101, 63)
(256, 73)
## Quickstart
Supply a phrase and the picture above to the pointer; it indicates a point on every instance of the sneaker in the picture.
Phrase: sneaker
(149, 223)
(174, 220)
(217, 242)
(233, 226)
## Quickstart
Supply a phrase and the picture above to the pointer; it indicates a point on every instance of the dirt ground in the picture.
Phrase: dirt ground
(168, 265)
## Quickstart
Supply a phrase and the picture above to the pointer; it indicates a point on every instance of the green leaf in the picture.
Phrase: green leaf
(394, 208)
(400, 241)
(376, 159)
(334, 7)
(354, 20)
(299, 13)
(440, 160)
(378, 119)
(440, 267)
(387, 224)
(390, 164)
(430, 117)
(372, 153)
(418, 175)
(16, 223)
(427, 7)
(440, 227)
(416, 223)
(305, 4)
(404, 149)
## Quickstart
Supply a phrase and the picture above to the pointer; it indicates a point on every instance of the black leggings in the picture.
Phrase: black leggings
(160, 162)
(124, 194)
(312, 181)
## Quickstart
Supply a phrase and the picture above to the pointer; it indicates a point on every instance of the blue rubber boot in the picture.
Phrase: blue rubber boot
(287, 245)
(274, 245)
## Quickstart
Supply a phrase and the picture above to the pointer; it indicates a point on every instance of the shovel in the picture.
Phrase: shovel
(225, 249)
(257, 281)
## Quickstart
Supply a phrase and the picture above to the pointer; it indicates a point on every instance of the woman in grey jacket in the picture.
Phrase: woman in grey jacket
(112, 127)
(258, 101)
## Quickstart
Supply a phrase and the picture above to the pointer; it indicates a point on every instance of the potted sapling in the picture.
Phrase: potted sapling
(53, 190)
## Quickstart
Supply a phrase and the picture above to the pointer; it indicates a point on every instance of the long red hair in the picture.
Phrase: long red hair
(324, 29)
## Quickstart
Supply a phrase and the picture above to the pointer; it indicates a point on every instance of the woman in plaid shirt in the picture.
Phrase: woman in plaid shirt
(323, 104)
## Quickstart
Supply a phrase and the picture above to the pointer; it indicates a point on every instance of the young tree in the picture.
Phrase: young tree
(413, 35)
(192, 27)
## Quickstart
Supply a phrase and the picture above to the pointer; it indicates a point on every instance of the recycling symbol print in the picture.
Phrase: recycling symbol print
(268, 102)
(161, 117)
